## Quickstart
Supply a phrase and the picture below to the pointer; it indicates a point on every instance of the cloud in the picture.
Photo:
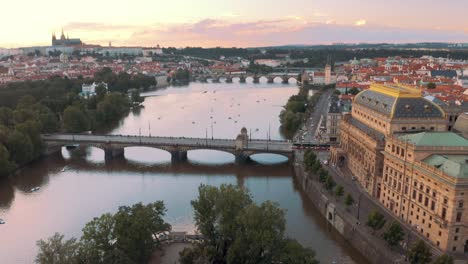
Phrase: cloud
(289, 30)
(91, 26)
(360, 22)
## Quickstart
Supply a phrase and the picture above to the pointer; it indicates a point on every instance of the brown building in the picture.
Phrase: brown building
(425, 183)
(376, 114)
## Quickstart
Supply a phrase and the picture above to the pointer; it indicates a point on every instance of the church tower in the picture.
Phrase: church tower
(53, 38)
(328, 71)
(62, 37)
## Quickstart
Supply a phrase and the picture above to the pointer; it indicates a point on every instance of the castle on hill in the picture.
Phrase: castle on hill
(65, 41)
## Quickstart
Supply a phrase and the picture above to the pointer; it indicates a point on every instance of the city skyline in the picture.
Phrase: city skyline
(209, 23)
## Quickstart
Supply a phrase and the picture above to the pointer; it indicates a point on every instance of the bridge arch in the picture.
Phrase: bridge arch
(210, 156)
(269, 158)
(147, 155)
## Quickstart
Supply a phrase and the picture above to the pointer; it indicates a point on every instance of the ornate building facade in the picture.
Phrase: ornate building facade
(396, 146)
(376, 114)
(425, 183)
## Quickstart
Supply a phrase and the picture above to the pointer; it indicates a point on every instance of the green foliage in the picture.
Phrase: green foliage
(394, 234)
(329, 183)
(112, 108)
(182, 75)
(349, 200)
(431, 85)
(20, 147)
(444, 259)
(128, 236)
(238, 231)
(6, 166)
(295, 253)
(136, 98)
(75, 120)
(353, 91)
(293, 113)
(420, 253)
(57, 251)
(375, 220)
(323, 174)
(339, 191)
(258, 68)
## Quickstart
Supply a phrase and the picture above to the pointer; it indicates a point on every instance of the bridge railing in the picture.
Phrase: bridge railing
(51, 137)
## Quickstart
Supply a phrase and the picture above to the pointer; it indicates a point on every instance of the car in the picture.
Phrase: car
(353, 178)
(35, 189)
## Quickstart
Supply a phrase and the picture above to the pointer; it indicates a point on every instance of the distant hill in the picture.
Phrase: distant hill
(422, 45)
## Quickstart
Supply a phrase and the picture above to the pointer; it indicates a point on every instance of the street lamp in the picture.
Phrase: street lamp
(359, 205)
(212, 137)
(408, 238)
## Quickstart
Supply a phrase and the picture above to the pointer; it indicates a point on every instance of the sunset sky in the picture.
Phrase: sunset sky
(242, 23)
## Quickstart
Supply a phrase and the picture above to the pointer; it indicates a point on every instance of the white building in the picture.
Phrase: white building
(268, 62)
(88, 90)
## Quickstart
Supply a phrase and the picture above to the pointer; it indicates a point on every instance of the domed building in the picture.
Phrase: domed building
(396, 144)
(377, 113)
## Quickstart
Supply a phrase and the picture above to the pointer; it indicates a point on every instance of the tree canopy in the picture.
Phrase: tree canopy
(128, 236)
(420, 253)
(236, 230)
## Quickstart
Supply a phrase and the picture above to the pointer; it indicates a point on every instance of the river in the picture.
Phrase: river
(88, 187)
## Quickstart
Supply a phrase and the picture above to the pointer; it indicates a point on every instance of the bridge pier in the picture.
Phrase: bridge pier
(229, 79)
(256, 79)
(242, 79)
(215, 79)
(285, 79)
(178, 156)
(271, 79)
(241, 158)
(113, 152)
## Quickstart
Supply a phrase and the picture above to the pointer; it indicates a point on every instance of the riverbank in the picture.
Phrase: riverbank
(342, 220)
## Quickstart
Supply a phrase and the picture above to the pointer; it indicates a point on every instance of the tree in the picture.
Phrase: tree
(238, 231)
(112, 108)
(20, 147)
(136, 228)
(329, 183)
(353, 91)
(295, 253)
(339, 191)
(6, 166)
(444, 259)
(431, 85)
(75, 120)
(246, 247)
(136, 98)
(98, 240)
(57, 251)
(349, 200)
(394, 234)
(420, 253)
(129, 236)
(375, 220)
(101, 91)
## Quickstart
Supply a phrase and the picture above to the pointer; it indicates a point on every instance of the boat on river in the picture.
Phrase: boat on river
(2, 222)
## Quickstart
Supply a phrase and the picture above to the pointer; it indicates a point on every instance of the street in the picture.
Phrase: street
(312, 125)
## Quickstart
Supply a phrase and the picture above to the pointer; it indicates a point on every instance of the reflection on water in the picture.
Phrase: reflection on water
(77, 185)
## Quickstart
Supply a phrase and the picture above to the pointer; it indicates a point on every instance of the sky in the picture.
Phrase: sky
(240, 23)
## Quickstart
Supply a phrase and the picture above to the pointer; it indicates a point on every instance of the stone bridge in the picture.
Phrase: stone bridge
(113, 145)
(216, 77)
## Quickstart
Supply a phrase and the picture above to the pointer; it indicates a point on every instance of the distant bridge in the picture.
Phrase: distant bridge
(216, 77)
(113, 145)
